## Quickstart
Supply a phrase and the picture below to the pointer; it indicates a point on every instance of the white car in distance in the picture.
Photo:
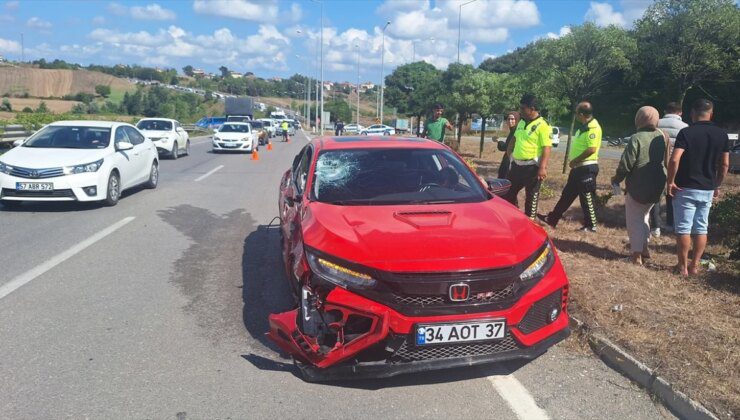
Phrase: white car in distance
(270, 126)
(378, 130)
(78, 161)
(234, 137)
(353, 128)
(167, 135)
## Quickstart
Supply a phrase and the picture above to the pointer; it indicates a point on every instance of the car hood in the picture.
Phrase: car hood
(467, 236)
(231, 136)
(40, 158)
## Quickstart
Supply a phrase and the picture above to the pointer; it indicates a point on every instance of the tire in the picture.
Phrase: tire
(187, 148)
(113, 190)
(153, 176)
(175, 151)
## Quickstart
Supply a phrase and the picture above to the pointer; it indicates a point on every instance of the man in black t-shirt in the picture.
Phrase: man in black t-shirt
(698, 165)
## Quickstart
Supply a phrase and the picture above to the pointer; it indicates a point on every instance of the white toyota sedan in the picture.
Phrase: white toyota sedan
(168, 135)
(235, 137)
(378, 130)
(78, 161)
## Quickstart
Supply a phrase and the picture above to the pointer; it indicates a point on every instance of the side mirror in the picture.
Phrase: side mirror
(18, 143)
(498, 186)
(124, 145)
(291, 197)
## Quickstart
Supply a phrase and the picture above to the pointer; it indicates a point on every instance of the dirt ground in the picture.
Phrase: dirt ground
(46, 83)
(687, 329)
(56, 106)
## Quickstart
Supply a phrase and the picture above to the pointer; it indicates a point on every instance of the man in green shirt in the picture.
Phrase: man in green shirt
(434, 128)
(530, 152)
(583, 156)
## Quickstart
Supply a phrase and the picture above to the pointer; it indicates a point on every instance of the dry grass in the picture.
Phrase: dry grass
(56, 106)
(686, 329)
(45, 83)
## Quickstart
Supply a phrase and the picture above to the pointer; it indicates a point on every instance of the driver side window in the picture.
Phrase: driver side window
(134, 136)
(301, 174)
(121, 136)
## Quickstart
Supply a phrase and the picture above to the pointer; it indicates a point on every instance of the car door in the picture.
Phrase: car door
(124, 159)
(292, 212)
(140, 161)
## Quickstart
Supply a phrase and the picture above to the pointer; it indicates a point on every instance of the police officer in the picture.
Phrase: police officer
(530, 153)
(583, 156)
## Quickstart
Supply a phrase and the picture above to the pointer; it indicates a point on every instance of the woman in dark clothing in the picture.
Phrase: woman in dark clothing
(511, 120)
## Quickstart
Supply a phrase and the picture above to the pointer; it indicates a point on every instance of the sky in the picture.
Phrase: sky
(281, 38)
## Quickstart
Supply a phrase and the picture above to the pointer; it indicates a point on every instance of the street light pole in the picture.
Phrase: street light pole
(382, 70)
(459, 27)
(357, 47)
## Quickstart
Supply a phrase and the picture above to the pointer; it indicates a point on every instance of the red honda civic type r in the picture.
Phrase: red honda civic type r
(402, 260)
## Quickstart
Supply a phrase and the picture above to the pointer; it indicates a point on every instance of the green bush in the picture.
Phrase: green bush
(42, 108)
(27, 109)
(725, 217)
(6, 106)
(79, 109)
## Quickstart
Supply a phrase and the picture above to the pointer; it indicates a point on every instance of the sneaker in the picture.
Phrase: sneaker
(590, 229)
(546, 220)
(655, 232)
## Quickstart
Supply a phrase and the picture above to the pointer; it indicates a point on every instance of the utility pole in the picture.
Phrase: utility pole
(357, 47)
(459, 28)
(382, 70)
(23, 50)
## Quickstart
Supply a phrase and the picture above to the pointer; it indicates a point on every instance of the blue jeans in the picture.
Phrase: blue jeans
(691, 211)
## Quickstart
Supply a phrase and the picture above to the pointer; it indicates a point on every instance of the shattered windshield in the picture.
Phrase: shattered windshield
(394, 176)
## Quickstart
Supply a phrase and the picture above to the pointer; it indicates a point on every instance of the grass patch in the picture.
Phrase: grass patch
(687, 329)
(116, 96)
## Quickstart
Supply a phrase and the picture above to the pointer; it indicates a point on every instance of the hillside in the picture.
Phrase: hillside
(55, 83)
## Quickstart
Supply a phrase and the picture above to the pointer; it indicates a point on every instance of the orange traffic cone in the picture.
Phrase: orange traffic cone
(269, 146)
(255, 155)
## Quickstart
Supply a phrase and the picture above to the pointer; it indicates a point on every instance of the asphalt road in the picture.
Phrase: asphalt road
(157, 308)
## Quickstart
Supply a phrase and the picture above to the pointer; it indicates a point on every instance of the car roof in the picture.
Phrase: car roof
(88, 123)
(158, 119)
(236, 123)
(375, 142)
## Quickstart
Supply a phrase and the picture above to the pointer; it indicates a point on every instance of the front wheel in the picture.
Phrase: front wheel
(187, 148)
(175, 151)
(153, 176)
(113, 193)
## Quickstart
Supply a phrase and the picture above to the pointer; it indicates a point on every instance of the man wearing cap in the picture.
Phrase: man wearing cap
(434, 128)
(583, 156)
(530, 153)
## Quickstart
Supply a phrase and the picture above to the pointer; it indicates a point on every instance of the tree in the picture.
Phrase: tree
(224, 71)
(103, 90)
(42, 108)
(412, 89)
(577, 66)
(339, 109)
(458, 83)
(188, 70)
(685, 43)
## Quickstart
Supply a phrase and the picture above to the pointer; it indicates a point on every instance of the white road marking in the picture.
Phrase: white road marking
(518, 398)
(209, 173)
(31, 274)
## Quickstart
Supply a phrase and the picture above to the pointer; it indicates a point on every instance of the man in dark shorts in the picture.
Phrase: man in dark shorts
(698, 165)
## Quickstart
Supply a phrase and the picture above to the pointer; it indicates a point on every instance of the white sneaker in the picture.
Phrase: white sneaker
(655, 232)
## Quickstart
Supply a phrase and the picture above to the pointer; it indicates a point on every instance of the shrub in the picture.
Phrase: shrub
(79, 109)
(6, 106)
(42, 108)
(725, 216)
(103, 90)
(27, 109)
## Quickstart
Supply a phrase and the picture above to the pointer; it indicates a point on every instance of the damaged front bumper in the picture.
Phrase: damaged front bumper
(367, 339)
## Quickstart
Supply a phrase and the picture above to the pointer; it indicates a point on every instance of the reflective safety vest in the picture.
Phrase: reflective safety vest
(531, 139)
(587, 135)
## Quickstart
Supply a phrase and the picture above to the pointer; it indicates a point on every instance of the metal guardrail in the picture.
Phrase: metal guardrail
(13, 133)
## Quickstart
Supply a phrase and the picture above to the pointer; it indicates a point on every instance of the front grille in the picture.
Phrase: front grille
(36, 173)
(229, 146)
(483, 297)
(410, 353)
(537, 315)
(7, 192)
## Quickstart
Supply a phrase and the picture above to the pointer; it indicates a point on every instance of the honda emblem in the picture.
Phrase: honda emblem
(459, 292)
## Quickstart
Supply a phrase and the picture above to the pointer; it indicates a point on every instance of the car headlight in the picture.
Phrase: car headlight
(246, 139)
(338, 274)
(79, 169)
(216, 139)
(5, 169)
(540, 266)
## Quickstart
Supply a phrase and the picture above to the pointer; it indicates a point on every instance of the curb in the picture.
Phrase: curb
(616, 358)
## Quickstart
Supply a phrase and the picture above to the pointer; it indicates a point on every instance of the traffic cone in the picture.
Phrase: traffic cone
(255, 155)
(269, 146)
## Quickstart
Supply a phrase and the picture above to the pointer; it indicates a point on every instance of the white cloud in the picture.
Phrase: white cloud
(8, 46)
(266, 11)
(486, 56)
(38, 23)
(98, 21)
(603, 14)
(118, 9)
(152, 12)
(393, 6)
(565, 30)
(12, 5)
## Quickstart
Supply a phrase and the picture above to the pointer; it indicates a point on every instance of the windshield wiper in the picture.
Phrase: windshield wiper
(431, 202)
